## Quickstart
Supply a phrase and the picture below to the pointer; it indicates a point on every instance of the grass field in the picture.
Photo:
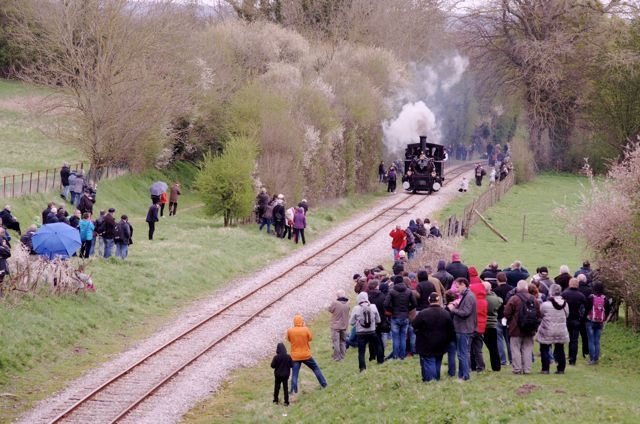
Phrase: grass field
(393, 392)
(47, 340)
(25, 146)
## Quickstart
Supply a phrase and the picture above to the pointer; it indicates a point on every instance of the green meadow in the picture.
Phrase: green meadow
(393, 392)
(47, 340)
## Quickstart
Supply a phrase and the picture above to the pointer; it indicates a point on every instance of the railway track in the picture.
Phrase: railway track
(119, 397)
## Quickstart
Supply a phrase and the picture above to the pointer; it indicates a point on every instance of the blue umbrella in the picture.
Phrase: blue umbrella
(157, 188)
(57, 239)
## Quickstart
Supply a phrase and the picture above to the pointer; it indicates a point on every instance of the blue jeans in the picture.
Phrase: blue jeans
(412, 340)
(311, 363)
(430, 366)
(503, 338)
(451, 358)
(399, 328)
(463, 342)
(65, 192)
(594, 330)
(267, 222)
(122, 250)
(108, 247)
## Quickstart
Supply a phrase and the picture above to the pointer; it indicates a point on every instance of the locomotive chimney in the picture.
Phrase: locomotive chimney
(423, 143)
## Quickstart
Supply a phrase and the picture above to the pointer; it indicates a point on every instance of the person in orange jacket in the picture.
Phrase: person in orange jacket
(299, 336)
(163, 202)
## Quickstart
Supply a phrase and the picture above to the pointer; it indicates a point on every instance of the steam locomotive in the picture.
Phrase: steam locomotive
(424, 166)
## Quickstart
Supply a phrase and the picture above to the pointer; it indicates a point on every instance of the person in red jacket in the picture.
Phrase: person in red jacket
(477, 340)
(299, 336)
(398, 240)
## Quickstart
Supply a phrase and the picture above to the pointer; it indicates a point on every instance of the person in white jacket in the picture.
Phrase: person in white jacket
(365, 318)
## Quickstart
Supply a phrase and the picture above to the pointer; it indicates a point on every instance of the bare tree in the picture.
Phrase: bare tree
(117, 68)
(540, 49)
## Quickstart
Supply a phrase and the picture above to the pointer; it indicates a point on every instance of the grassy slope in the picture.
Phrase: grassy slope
(393, 392)
(50, 339)
(25, 147)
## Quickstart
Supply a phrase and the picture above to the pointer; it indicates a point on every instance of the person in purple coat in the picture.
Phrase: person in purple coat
(299, 224)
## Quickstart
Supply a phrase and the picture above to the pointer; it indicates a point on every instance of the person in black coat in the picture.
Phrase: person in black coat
(456, 268)
(376, 297)
(434, 331)
(152, 218)
(424, 289)
(281, 364)
(577, 306)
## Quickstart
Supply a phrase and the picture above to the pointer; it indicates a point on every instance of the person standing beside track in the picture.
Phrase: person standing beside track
(299, 336)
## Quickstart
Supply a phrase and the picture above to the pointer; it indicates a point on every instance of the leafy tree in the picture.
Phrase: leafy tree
(225, 182)
(614, 104)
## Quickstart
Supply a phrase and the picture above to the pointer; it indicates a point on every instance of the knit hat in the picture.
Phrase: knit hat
(356, 276)
(455, 257)
(398, 279)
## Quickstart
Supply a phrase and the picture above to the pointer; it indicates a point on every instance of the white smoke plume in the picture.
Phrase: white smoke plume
(417, 116)
(414, 120)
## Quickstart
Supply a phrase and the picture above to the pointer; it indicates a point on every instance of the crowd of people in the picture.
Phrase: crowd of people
(456, 311)
(101, 235)
(287, 222)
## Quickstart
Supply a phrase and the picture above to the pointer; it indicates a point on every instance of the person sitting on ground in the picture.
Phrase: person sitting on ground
(26, 238)
(9, 221)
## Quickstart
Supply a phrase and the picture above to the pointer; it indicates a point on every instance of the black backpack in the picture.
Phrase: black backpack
(527, 314)
(366, 319)
(117, 232)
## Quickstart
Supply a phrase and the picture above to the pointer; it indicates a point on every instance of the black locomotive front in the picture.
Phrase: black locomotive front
(424, 166)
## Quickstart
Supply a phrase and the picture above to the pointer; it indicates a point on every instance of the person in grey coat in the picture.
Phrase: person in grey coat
(339, 310)
(465, 321)
(553, 329)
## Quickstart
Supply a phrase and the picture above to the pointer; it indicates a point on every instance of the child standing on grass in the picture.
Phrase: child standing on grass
(281, 364)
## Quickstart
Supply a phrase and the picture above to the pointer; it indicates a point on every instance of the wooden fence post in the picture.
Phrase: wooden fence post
(524, 224)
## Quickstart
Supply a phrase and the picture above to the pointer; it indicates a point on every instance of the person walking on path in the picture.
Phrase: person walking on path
(300, 336)
(174, 195)
(152, 218)
(162, 202)
(281, 364)
(339, 310)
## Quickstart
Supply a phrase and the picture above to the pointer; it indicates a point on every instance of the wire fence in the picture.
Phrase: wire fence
(45, 180)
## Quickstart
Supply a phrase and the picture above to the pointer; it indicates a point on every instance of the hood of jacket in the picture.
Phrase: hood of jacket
(400, 287)
(281, 349)
(473, 272)
(363, 297)
(558, 302)
(298, 321)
